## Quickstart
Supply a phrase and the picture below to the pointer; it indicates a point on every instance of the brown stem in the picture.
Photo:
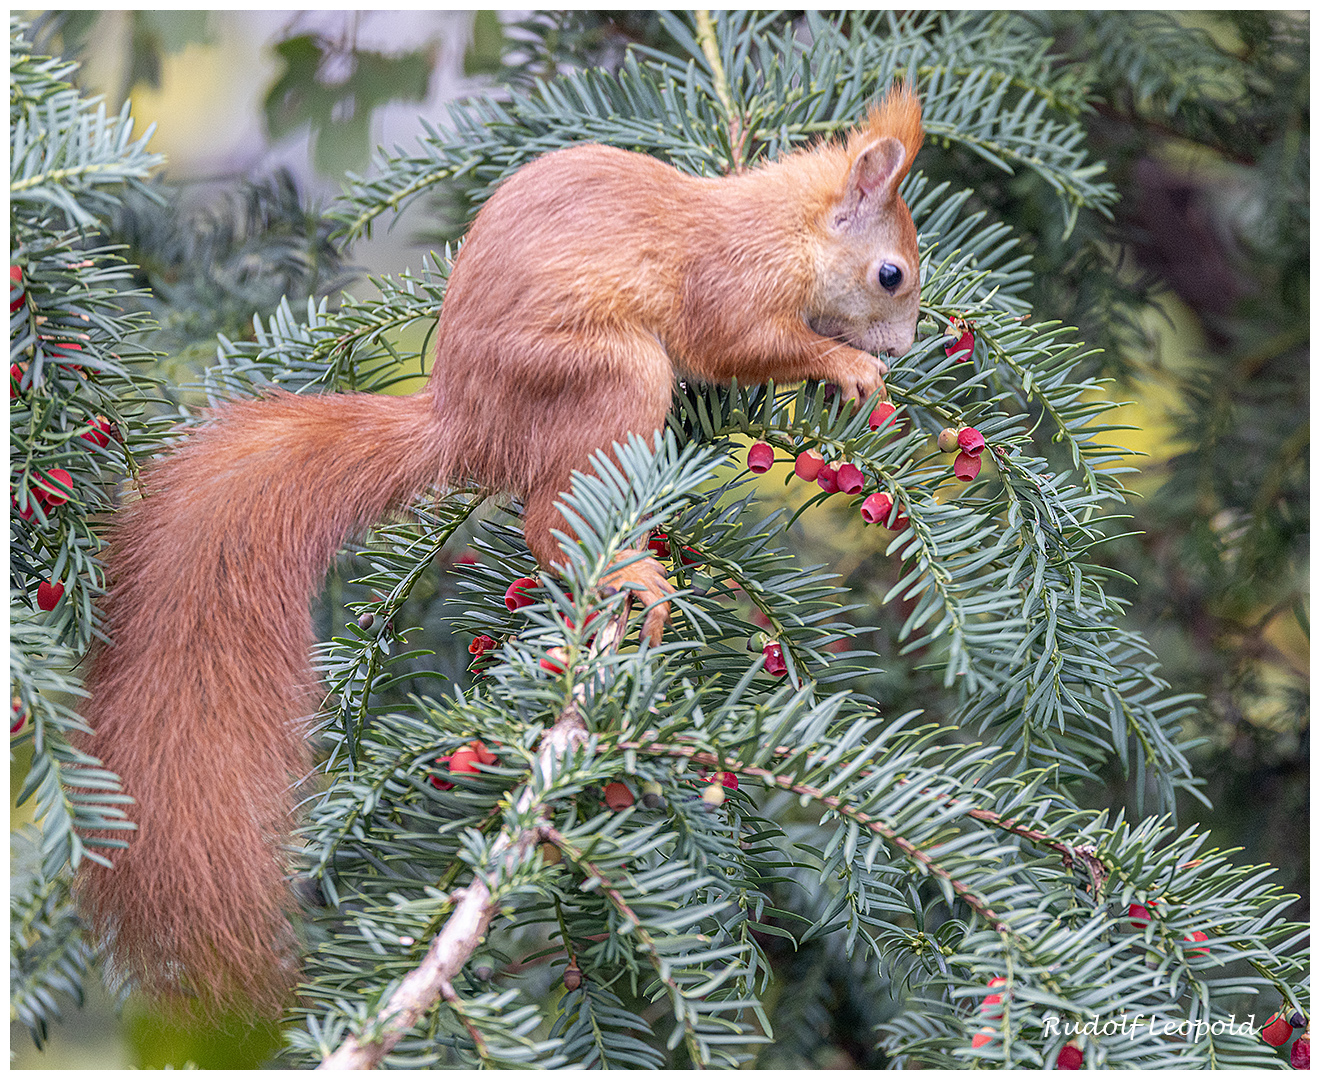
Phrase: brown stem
(467, 924)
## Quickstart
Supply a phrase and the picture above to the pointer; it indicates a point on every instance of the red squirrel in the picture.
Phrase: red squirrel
(590, 281)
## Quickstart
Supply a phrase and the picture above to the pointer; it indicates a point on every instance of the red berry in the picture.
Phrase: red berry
(966, 466)
(16, 290)
(47, 491)
(964, 345)
(515, 596)
(99, 433)
(827, 478)
(1300, 1058)
(618, 796)
(659, 545)
(555, 661)
(760, 457)
(483, 752)
(1139, 914)
(1197, 935)
(991, 1000)
(464, 760)
(850, 479)
(774, 659)
(808, 464)
(1278, 1031)
(947, 440)
(482, 643)
(690, 556)
(881, 414)
(970, 441)
(434, 778)
(982, 1037)
(728, 779)
(16, 380)
(48, 594)
(1070, 1057)
(900, 521)
(876, 507)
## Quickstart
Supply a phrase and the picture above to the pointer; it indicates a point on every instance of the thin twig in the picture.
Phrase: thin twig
(476, 905)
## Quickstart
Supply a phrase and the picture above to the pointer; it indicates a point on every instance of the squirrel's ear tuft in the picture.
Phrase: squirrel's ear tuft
(898, 116)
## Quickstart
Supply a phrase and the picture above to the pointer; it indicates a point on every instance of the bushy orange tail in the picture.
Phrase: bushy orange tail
(211, 578)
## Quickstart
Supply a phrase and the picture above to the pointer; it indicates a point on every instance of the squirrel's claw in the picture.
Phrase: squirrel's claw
(649, 583)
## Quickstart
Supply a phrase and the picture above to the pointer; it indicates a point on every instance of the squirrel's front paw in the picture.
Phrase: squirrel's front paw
(649, 583)
(863, 378)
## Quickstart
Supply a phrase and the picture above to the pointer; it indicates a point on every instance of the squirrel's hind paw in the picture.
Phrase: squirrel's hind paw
(649, 584)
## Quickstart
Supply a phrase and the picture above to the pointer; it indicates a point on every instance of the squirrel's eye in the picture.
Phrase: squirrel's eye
(890, 276)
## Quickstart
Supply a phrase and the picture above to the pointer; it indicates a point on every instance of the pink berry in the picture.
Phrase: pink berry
(1300, 1058)
(849, 479)
(16, 290)
(881, 414)
(1197, 935)
(966, 466)
(876, 507)
(774, 659)
(760, 457)
(515, 596)
(1139, 914)
(659, 545)
(982, 1037)
(827, 478)
(964, 345)
(481, 644)
(1070, 1057)
(728, 779)
(970, 441)
(48, 594)
(555, 661)
(808, 464)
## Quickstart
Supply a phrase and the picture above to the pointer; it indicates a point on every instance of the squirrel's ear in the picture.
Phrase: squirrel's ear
(874, 177)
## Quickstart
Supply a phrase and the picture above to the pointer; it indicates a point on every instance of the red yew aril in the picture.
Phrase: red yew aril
(46, 490)
(881, 415)
(970, 441)
(515, 596)
(481, 644)
(1300, 1057)
(435, 779)
(618, 796)
(1197, 935)
(850, 479)
(1278, 1031)
(16, 291)
(760, 457)
(464, 760)
(484, 754)
(1139, 914)
(99, 433)
(827, 478)
(876, 507)
(1070, 1057)
(982, 1037)
(555, 661)
(966, 466)
(659, 545)
(965, 344)
(808, 464)
(48, 594)
(728, 779)
(774, 659)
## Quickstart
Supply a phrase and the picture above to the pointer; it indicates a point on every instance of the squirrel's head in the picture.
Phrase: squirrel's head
(869, 278)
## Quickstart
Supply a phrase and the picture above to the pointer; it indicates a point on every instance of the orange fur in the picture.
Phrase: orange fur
(590, 280)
